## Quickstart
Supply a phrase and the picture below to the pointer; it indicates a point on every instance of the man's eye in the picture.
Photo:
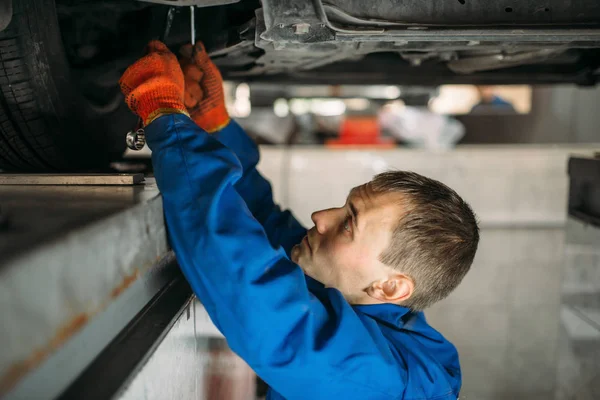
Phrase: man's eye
(347, 224)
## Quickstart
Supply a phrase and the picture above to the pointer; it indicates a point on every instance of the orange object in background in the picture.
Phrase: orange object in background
(363, 131)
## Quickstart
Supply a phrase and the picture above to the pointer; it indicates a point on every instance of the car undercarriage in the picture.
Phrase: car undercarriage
(62, 59)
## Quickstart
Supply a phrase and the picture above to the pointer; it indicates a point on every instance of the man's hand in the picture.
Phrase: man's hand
(154, 85)
(204, 96)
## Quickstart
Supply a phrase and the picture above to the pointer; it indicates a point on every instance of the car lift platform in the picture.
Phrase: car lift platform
(88, 283)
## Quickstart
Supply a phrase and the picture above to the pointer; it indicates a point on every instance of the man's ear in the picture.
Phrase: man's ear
(395, 289)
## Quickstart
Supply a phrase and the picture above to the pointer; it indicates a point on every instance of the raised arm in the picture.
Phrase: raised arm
(281, 227)
(204, 99)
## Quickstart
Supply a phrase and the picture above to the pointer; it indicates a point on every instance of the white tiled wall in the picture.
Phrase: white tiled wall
(505, 185)
(273, 166)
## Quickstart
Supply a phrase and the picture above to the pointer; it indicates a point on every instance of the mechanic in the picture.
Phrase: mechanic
(334, 312)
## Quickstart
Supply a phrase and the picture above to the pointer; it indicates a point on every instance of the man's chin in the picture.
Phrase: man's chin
(306, 269)
(294, 253)
(296, 256)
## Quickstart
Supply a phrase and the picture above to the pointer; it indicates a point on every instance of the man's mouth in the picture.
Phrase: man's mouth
(305, 240)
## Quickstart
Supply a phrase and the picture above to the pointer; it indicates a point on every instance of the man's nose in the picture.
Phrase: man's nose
(322, 220)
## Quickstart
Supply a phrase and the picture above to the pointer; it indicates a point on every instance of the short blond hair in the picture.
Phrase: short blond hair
(436, 238)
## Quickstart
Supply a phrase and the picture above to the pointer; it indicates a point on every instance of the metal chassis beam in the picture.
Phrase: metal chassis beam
(64, 301)
(305, 21)
(298, 37)
(129, 351)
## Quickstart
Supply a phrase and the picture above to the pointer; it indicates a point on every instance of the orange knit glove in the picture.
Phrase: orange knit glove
(154, 85)
(204, 97)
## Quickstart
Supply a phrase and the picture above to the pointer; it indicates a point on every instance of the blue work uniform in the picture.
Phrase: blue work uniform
(233, 244)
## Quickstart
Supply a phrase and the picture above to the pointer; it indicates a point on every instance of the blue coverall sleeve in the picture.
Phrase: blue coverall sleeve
(281, 227)
(303, 345)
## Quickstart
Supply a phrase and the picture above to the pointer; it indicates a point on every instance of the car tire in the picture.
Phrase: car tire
(46, 123)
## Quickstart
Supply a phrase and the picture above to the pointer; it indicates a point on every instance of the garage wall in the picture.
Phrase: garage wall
(559, 114)
(506, 185)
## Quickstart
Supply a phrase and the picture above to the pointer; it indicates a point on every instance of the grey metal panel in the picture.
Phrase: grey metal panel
(44, 215)
(71, 179)
(470, 12)
(63, 301)
(130, 349)
(68, 361)
(579, 354)
(584, 115)
(192, 362)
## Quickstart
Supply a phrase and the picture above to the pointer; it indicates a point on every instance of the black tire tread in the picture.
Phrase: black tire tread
(26, 142)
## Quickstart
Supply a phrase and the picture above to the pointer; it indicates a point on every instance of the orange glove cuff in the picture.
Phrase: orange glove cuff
(213, 120)
(155, 97)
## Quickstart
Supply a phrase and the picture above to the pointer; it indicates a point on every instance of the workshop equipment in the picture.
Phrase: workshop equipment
(361, 130)
(192, 26)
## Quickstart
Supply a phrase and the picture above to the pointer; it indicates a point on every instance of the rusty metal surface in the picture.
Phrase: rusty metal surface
(63, 299)
(130, 349)
(71, 179)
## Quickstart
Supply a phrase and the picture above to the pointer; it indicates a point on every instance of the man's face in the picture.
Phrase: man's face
(343, 247)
